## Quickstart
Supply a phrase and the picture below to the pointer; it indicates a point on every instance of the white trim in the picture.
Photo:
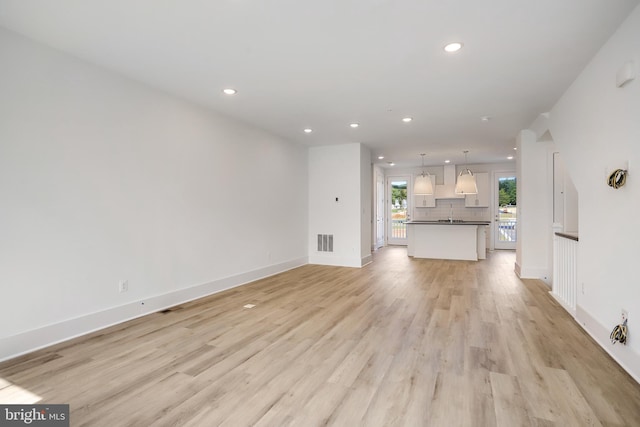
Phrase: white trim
(366, 260)
(378, 241)
(534, 273)
(564, 305)
(626, 357)
(336, 261)
(388, 233)
(495, 206)
(45, 336)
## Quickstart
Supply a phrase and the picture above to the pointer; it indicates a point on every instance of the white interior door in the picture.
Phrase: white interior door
(506, 211)
(398, 208)
(379, 210)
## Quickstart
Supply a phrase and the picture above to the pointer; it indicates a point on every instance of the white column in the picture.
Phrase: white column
(535, 192)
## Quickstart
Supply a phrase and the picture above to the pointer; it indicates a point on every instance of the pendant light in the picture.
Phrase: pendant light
(423, 185)
(466, 183)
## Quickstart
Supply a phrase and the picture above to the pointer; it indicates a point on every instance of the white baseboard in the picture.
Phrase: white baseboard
(336, 261)
(35, 339)
(534, 273)
(626, 357)
(366, 260)
(564, 305)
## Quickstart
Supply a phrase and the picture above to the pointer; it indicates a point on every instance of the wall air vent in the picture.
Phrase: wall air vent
(325, 242)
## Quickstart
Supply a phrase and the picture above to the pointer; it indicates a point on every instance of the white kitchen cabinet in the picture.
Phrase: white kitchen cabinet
(482, 242)
(480, 200)
(442, 240)
(424, 201)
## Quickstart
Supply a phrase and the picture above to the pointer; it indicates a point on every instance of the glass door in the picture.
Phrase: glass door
(398, 209)
(506, 218)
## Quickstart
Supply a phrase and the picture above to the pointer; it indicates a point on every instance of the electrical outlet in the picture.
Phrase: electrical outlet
(123, 286)
(624, 315)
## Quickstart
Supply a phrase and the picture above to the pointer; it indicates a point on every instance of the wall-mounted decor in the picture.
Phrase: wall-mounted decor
(617, 178)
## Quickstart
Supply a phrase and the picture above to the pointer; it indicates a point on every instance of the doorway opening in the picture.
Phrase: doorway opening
(506, 218)
(398, 209)
(380, 214)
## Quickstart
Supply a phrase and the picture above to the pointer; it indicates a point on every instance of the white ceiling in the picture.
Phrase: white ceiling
(325, 64)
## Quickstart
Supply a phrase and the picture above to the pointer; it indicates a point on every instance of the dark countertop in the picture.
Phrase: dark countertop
(450, 223)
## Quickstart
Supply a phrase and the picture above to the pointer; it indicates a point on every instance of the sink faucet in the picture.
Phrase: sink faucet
(451, 213)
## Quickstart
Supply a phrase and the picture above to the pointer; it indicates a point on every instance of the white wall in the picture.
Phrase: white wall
(535, 206)
(104, 179)
(366, 208)
(565, 198)
(335, 171)
(596, 128)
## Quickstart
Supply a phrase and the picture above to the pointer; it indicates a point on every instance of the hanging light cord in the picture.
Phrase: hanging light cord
(619, 334)
(466, 165)
(423, 174)
(617, 178)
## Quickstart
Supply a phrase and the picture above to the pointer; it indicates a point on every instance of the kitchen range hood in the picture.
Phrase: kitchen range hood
(447, 191)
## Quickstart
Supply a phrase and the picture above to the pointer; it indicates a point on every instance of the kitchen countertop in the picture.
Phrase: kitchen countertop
(450, 223)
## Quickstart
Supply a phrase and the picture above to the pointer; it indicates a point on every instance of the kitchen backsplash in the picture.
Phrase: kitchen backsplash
(443, 211)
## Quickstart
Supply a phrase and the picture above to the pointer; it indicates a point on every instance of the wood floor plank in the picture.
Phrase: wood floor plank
(570, 399)
(482, 407)
(450, 405)
(401, 341)
(510, 406)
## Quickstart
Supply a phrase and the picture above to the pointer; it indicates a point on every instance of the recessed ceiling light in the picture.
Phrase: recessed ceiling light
(510, 158)
(230, 91)
(453, 47)
(407, 119)
(307, 130)
(380, 157)
(485, 118)
(447, 161)
(354, 125)
(515, 148)
(391, 164)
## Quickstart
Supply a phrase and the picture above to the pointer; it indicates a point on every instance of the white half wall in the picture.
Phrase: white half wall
(104, 179)
(596, 128)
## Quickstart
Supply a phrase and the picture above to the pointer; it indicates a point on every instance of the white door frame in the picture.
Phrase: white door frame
(391, 240)
(379, 211)
(499, 235)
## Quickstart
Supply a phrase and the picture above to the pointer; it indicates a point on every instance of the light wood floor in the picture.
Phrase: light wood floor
(400, 342)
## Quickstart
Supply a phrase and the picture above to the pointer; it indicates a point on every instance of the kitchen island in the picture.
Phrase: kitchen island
(461, 240)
